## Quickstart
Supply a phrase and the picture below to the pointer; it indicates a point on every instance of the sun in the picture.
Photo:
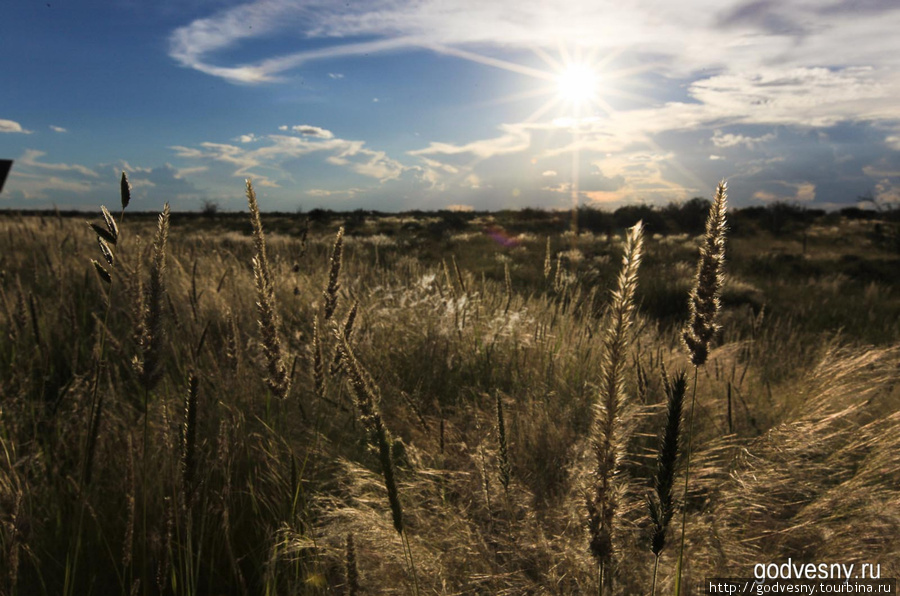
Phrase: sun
(577, 83)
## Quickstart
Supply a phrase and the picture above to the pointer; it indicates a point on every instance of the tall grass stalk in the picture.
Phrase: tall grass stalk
(351, 571)
(150, 363)
(607, 439)
(104, 238)
(505, 468)
(702, 327)
(152, 331)
(278, 379)
(660, 502)
(365, 393)
(330, 294)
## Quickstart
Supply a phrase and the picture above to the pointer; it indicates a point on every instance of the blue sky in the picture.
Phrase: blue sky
(428, 104)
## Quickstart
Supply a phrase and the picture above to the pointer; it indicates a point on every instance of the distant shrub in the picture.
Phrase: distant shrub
(627, 216)
(687, 218)
(320, 215)
(210, 208)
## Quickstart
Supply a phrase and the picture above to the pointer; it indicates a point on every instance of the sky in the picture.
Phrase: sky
(396, 105)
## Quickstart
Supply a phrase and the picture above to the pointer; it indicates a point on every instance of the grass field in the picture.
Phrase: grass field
(198, 425)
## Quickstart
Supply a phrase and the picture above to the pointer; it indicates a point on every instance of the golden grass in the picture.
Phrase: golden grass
(449, 351)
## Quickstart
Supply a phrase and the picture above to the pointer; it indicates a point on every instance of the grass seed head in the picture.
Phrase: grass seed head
(704, 299)
(152, 327)
(101, 270)
(661, 503)
(607, 439)
(103, 233)
(110, 224)
(334, 285)
(365, 394)
(106, 251)
(125, 191)
(278, 378)
(189, 442)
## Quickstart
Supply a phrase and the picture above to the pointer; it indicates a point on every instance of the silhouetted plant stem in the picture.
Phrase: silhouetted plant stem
(687, 475)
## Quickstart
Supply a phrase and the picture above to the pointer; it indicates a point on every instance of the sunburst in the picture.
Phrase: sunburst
(578, 83)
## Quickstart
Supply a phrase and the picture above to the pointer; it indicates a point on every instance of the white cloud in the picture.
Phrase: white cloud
(344, 193)
(797, 192)
(58, 129)
(887, 194)
(745, 35)
(34, 186)
(248, 138)
(12, 127)
(31, 156)
(335, 75)
(732, 140)
(124, 166)
(308, 130)
(186, 172)
(264, 163)
(515, 139)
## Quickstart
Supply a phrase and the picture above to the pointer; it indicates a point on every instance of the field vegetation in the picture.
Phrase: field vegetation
(442, 403)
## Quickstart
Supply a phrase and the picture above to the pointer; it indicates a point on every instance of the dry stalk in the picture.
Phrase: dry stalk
(278, 379)
(704, 298)
(149, 365)
(607, 439)
(334, 285)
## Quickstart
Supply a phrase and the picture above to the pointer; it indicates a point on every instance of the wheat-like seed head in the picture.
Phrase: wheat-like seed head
(705, 296)
(334, 274)
(548, 262)
(259, 237)
(105, 237)
(318, 365)
(558, 279)
(232, 342)
(103, 233)
(152, 327)
(602, 502)
(661, 503)
(348, 332)
(278, 379)
(505, 468)
(110, 224)
(365, 393)
(106, 251)
(189, 442)
(125, 191)
(508, 287)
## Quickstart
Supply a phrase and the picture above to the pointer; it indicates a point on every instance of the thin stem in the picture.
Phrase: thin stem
(600, 570)
(687, 473)
(407, 552)
(655, 571)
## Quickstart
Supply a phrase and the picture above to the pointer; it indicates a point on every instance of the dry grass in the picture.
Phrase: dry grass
(809, 472)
